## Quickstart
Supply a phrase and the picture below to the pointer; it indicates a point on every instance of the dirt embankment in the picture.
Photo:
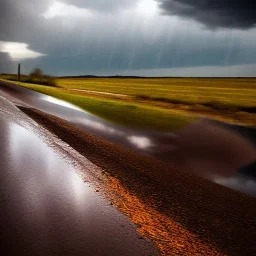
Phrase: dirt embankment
(217, 215)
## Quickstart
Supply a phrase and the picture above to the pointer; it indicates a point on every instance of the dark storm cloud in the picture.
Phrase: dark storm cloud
(98, 60)
(113, 43)
(6, 64)
(214, 13)
(20, 20)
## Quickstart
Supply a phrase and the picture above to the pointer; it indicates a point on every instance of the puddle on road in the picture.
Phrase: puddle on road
(239, 183)
(164, 146)
(49, 210)
(127, 137)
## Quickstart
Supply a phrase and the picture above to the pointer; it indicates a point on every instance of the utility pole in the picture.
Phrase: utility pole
(19, 72)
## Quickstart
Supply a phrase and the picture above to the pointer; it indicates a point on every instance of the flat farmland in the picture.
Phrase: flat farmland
(163, 104)
(240, 92)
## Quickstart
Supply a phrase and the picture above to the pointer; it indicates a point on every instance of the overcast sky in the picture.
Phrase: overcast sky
(126, 37)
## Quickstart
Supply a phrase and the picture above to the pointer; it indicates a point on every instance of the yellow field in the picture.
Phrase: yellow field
(233, 92)
(164, 104)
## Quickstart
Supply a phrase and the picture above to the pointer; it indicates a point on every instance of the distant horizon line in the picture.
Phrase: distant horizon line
(153, 77)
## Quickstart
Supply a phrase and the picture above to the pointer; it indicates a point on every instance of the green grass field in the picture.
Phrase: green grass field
(221, 94)
(117, 111)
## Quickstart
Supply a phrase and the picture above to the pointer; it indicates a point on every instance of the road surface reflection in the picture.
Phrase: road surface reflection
(47, 208)
(206, 147)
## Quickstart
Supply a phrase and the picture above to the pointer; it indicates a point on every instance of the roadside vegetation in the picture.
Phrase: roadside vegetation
(164, 104)
(37, 76)
(117, 111)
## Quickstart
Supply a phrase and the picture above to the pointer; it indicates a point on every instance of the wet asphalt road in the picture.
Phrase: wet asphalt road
(46, 208)
(208, 148)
